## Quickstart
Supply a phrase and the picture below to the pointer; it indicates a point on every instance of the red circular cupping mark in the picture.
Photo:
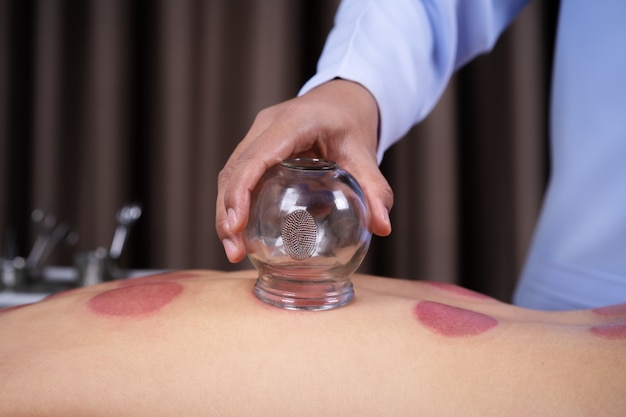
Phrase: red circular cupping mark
(135, 300)
(447, 320)
(614, 330)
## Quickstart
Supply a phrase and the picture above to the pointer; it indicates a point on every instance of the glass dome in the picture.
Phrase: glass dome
(307, 233)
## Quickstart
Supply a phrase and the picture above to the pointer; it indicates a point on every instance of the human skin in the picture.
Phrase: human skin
(337, 121)
(198, 343)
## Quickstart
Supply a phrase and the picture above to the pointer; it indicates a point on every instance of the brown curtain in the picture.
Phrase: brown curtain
(108, 101)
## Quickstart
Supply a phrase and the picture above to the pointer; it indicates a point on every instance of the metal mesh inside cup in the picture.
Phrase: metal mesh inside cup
(299, 233)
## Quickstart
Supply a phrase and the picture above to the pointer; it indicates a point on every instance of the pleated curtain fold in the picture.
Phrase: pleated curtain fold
(104, 102)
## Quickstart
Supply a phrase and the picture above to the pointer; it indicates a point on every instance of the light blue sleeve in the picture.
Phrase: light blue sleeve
(405, 51)
(578, 255)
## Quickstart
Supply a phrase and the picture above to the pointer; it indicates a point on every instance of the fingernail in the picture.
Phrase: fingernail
(384, 214)
(232, 218)
(229, 248)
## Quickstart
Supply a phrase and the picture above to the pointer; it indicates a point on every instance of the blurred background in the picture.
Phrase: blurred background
(104, 102)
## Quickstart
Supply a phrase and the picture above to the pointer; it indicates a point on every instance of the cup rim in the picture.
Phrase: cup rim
(309, 164)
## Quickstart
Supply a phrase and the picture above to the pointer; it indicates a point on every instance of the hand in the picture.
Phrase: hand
(337, 121)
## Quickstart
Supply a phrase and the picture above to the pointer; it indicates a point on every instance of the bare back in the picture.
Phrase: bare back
(199, 343)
